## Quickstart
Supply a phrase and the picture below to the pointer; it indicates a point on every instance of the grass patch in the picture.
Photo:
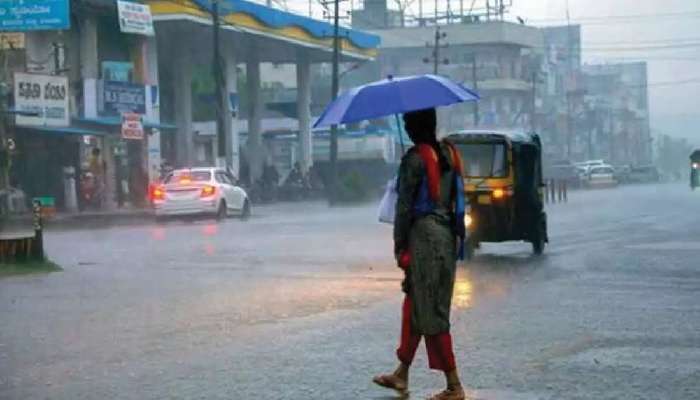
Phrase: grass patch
(29, 267)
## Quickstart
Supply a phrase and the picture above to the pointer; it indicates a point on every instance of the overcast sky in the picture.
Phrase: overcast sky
(672, 41)
(614, 30)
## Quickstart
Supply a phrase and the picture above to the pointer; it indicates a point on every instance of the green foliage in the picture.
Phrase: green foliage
(30, 267)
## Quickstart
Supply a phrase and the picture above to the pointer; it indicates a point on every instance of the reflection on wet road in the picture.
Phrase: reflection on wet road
(302, 302)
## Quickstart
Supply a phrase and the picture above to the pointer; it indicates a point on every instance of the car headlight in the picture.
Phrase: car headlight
(467, 220)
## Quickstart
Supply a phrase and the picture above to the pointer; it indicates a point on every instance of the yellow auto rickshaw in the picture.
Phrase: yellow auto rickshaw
(504, 187)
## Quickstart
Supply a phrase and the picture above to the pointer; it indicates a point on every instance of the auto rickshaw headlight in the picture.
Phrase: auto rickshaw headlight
(695, 165)
(467, 220)
(498, 193)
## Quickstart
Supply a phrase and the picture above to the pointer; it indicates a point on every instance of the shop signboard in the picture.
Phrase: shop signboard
(132, 126)
(34, 15)
(135, 18)
(117, 71)
(42, 100)
(12, 40)
(120, 97)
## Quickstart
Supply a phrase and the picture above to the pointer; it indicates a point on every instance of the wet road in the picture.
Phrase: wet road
(302, 302)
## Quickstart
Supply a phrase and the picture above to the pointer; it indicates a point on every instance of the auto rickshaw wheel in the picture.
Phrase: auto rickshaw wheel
(538, 242)
(469, 247)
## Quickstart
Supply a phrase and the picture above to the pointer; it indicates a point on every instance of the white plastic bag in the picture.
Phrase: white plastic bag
(387, 207)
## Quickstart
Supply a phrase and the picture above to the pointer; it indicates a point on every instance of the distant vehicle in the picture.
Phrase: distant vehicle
(622, 173)
(200, 191)
(694, 169)
(644, 174)
(568, 173)
(564, 171)
(590, 163)
(601, 176)
(584, 167)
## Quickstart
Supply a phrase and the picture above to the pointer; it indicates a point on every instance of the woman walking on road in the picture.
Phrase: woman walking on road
(428, 231)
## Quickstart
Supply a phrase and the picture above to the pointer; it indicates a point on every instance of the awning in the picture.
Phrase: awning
(63, 130)
(117, 121)
(249, 17)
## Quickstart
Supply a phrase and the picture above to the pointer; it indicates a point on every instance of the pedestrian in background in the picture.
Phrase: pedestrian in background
(427, 236)
(98, 169)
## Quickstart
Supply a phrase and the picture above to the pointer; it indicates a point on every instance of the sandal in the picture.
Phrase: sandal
(391, 381)
(450, 394)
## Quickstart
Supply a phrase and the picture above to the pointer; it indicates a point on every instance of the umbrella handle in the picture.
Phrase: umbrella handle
(398, 127)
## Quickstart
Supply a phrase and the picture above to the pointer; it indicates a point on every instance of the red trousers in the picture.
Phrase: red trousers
(439, 347)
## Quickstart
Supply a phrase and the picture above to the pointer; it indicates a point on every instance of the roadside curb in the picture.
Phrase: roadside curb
(100, 219)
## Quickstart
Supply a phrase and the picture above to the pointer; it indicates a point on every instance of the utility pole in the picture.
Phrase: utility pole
(436, 12)
(436, 45)
(332, 197)
(421, 21)
(222, 110)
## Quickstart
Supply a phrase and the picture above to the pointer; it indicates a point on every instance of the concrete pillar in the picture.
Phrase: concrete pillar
(149, 69)
(182, 85)
(89, 65)
(233, 140)
(304, 112)
(256, 151)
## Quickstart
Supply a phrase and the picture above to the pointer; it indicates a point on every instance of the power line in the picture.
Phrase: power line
(630, 17)
(648, 58)
(647, 42)
(649, 47)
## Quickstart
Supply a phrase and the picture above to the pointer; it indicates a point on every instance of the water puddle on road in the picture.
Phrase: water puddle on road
(667, 246)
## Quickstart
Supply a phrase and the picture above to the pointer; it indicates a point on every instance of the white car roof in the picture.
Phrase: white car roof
(199, 169)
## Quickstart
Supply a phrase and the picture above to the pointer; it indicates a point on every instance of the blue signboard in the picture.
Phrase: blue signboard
(31, 15)
(123, 97)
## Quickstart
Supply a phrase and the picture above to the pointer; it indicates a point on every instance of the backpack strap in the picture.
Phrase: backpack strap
(460, 201)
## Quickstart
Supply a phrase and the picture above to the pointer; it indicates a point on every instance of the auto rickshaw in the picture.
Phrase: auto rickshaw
(504, 186)
(694, 169)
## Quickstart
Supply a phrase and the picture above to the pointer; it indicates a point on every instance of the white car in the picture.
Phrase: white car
(200, 191)
(601, 176)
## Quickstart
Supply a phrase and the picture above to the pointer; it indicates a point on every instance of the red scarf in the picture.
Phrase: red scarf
(432, 166)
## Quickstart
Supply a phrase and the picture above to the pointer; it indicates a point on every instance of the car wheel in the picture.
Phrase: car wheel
(222, 211)
(245, 214)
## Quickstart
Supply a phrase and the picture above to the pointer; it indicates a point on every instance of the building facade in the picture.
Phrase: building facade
(617, 113)
(115, 75)
(498, 59)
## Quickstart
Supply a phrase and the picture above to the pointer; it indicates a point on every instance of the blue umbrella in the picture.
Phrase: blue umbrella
(394, 96)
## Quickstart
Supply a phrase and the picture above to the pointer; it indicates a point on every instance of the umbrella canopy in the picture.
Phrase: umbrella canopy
(394, 96)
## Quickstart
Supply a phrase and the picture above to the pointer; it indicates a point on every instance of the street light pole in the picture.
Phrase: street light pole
(436, 46)
(435, 52)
